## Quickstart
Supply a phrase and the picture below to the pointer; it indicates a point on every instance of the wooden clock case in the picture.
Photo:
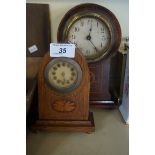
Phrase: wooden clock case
(100, 94)
(64, 118)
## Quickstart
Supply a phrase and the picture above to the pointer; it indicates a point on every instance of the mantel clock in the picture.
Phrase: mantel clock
(63, 90)
(96, 32)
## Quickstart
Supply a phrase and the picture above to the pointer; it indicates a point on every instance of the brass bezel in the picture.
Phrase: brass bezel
(97, 16)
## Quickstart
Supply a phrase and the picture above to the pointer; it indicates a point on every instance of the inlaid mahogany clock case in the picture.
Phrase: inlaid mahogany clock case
(100, 95)
(60, 111)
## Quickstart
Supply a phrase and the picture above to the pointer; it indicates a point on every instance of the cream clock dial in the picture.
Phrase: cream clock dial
(63, 74)
(91, 36)
(93, 28)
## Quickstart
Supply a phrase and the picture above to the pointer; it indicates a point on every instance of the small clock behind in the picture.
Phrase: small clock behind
(61, 110)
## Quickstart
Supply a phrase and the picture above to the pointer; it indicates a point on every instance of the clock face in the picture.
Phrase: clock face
(91, 35)
(63, 74)
(93, 28)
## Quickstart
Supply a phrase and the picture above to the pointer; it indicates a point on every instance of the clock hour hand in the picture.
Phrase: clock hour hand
(90, 29)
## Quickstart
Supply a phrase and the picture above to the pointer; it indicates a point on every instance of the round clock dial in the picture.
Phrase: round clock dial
(91, 35)
(93, 28)
(63, 74)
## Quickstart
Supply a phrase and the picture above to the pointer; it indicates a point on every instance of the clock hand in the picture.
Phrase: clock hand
(93, 45)
(90, 29)
(89, 37)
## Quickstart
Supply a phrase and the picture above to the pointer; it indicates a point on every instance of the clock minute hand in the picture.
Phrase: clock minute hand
(93, 45)
(89, 39)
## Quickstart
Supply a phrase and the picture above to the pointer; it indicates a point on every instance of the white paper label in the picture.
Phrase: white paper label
(33, 49)
(62, 50)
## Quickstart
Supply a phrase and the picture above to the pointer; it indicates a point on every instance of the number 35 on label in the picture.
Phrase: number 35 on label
(62, 50)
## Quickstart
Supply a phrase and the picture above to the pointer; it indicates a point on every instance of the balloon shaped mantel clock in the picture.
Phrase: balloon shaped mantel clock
(96, 32)
(63, 89)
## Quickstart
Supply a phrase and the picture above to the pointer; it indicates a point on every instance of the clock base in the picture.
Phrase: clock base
(63, 125)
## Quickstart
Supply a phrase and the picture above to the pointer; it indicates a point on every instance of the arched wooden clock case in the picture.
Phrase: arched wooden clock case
(99, 58)
(61, 110)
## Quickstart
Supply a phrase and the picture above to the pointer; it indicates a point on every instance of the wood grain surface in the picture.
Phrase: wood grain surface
(48, 96)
